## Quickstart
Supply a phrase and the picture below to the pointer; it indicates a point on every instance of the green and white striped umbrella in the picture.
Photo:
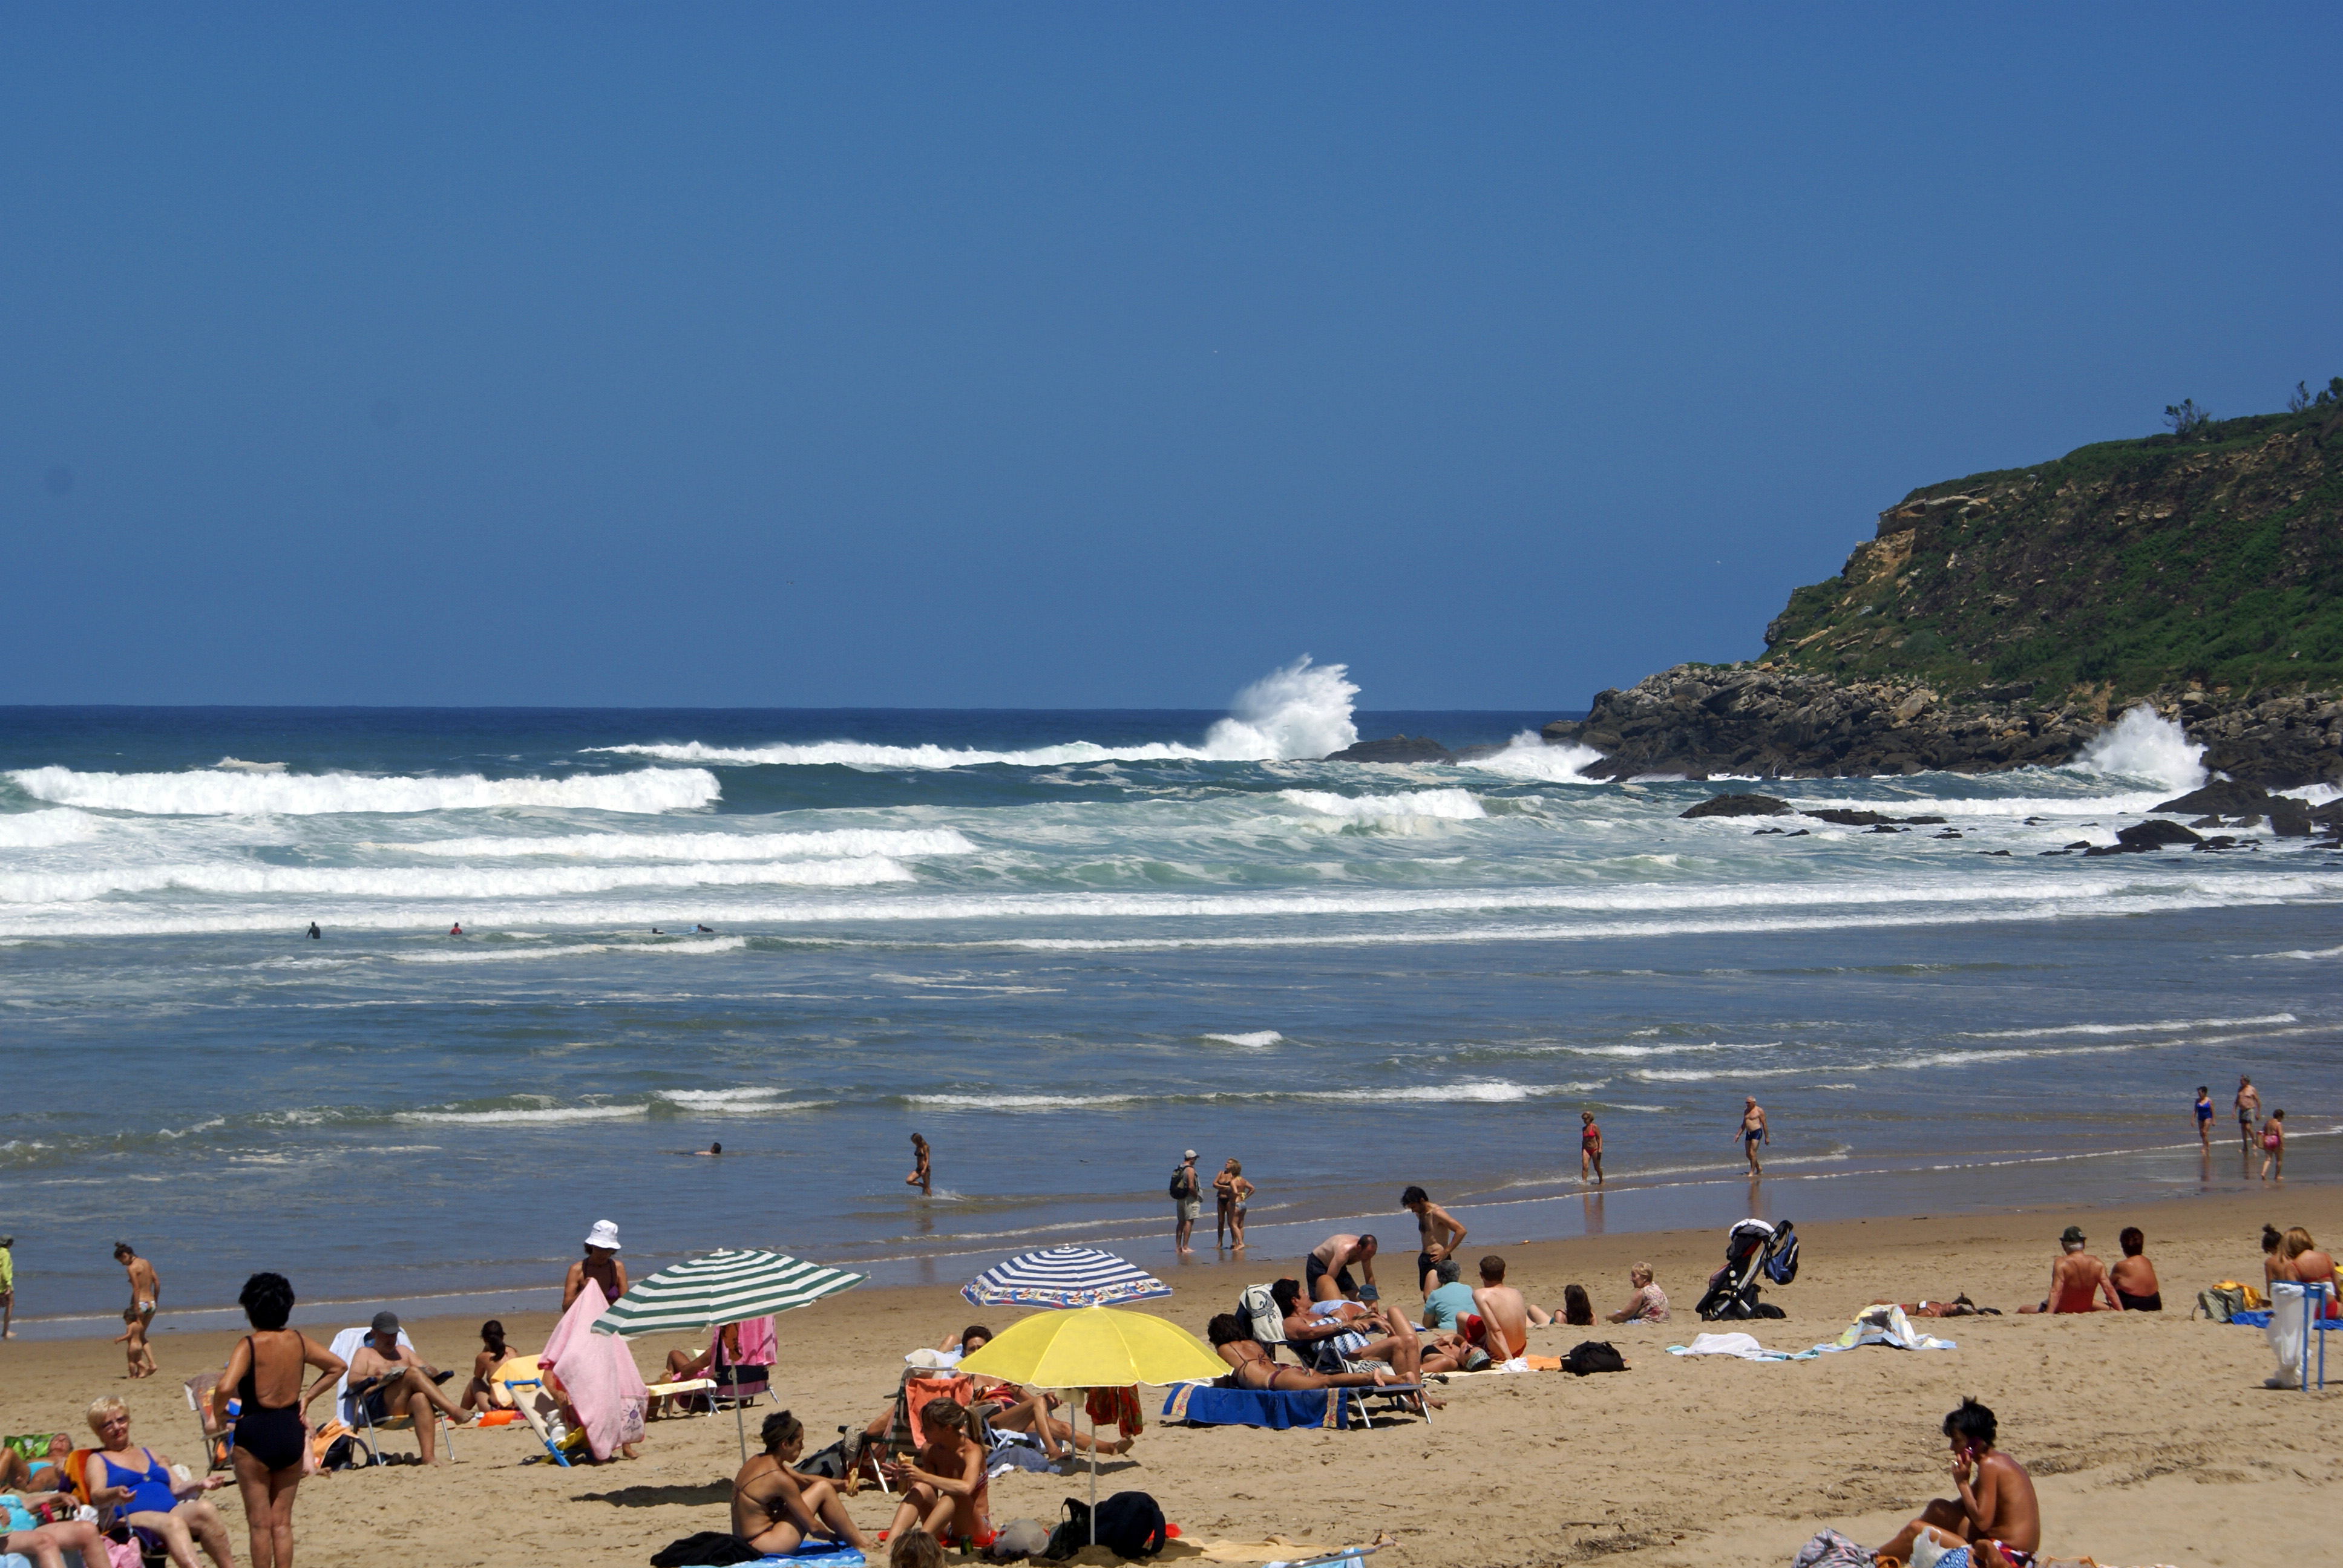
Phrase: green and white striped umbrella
(724, 1287)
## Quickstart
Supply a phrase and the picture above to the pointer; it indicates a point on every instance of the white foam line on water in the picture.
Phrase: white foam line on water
(2305, 953)
(1256, 1041)
(46, 830)
(1450, 805)
(853, 842)
(493, 953)
(2164, 1026)
(451, 884)
(229, 792)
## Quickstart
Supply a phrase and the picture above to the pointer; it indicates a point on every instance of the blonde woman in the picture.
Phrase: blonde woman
(138, 1484)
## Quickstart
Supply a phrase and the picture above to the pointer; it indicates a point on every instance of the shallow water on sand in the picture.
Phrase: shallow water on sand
(1065, 946)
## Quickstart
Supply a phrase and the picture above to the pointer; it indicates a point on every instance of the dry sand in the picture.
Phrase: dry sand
(2151, 1437)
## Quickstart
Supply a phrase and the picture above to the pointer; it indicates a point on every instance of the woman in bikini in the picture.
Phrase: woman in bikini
(775, 1509)
(480, 1393)
(1250, 1366)
(272, 1430)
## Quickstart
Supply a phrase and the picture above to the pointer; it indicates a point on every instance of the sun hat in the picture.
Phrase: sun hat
(1190, 1154)
(2072, 1234)
(604, 1234)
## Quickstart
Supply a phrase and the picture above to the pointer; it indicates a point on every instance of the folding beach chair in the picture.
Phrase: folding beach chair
(365, 1431)
(218, 1445)
(524, 1384)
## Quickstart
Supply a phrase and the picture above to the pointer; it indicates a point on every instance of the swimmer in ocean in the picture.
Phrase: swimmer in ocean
(313, 933)
(456, 929)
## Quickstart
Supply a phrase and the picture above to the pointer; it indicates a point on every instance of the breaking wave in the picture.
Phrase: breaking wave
(1528, 756)
(217, 792)
(434, 883)
(846, 841)
(1453, 805)
(45, 829)
(2143, 745)
(1299, 710)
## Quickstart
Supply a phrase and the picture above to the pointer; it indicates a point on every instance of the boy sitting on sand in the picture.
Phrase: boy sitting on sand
(1997, 1518)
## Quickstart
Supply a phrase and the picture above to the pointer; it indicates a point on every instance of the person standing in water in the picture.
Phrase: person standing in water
(921, 1176)
(1590, 1147)
(1754, 1131)
(600, 1264)
(2250, 1106)
(2204, 1117)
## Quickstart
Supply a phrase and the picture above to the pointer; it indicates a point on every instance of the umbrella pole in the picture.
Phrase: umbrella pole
(739, 1422)
(1093, 1475)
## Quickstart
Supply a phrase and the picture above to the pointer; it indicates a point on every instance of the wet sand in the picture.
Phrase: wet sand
(2151, 1438)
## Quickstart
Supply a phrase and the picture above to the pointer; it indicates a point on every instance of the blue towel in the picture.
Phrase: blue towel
(1277, 1409)
(809, 1555)
(2251, 1320)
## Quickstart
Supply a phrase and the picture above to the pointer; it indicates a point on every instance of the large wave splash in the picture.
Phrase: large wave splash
(2143, 744)
(700, 845)
(1529, 755)
(1297, 711)
(217, 792)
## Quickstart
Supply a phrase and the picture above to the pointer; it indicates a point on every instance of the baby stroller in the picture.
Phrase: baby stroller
(1753, 1251)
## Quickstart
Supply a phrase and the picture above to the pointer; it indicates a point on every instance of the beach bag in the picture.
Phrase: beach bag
(715, 1548)
(1781, 1268)
(1180, 1183)
(1020, 1538)
(1831, 1550)
(1593, 1356)
(830, 1464)
(2222, 1302)
(1131, 1524)
(1073, 1533)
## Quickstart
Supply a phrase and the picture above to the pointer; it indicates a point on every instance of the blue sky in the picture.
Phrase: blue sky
(1081, 355)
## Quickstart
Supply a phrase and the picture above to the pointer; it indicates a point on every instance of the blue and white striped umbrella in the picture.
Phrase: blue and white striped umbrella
(1063, 1277)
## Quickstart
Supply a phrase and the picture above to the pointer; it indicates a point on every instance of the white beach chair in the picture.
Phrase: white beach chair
(364, 1428)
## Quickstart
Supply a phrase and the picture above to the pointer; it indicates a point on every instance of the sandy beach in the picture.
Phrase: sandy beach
(2151, 1437)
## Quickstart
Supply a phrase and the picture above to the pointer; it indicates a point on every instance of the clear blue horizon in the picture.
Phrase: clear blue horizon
(1063, 358)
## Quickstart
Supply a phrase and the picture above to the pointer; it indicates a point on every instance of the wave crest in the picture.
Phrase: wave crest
(218, 792)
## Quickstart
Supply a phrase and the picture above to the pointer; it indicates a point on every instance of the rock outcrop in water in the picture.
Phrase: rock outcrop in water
(1397, 749)
(2004, 619)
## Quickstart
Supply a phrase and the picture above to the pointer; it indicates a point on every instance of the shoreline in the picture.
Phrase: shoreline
(946, 1266)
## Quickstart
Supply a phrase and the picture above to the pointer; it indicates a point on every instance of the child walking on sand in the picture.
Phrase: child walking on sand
(132, 1338)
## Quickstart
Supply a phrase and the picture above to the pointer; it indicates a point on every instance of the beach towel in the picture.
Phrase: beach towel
(718, 1549)
(1743, 1346)
(1880, 1325)
(2293, 1308)
(1279, 1409)
(1117, 1406)
(598, 1374)
(1831, 1550)
(757, 1342)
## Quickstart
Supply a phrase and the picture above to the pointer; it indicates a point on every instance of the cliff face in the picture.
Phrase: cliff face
(2000, 620)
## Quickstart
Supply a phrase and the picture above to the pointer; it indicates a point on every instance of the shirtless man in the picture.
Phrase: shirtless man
(944, 1482)
(1754, 1131)
(1997, 1515)
(2250, 1106)
(1437, 1230)
(1590, 1147)
(1327, 1270)
(2075, 1279)
(145, 1289)
(600, 1264)
(395, 1382)
(1350, 1332)
(1504, 1315)
(775, 1509)
(1255, 1368)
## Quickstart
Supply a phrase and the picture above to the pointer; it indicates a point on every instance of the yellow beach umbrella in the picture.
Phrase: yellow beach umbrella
(1095, 1347)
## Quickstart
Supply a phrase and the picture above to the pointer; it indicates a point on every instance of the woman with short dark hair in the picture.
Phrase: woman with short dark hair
(272, 1429)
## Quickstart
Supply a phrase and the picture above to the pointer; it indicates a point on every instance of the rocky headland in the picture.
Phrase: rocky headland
(2005, 619)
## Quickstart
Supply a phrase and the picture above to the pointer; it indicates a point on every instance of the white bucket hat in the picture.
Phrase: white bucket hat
(605, 1233)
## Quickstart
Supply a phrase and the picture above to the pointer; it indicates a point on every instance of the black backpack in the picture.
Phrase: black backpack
(1130, 1525)
(1593, 1356)
(1179, 1181)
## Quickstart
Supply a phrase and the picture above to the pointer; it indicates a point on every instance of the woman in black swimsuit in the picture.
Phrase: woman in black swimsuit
(272, 1433)
(1253, 1369)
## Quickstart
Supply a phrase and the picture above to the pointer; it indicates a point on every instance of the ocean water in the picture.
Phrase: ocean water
(1065, 946)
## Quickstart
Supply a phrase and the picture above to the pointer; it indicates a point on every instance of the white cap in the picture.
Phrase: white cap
(605, 1233)
(1190, 1155)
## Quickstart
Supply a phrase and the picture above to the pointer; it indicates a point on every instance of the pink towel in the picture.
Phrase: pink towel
(598, 1373)
(757, 1341)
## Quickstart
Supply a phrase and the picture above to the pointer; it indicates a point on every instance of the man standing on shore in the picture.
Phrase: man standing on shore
(1187, 1200)
(145, 1288)
(1754, 1131)
(2250, 1106)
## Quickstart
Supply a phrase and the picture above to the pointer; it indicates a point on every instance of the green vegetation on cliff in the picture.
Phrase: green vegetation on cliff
(2211, 557)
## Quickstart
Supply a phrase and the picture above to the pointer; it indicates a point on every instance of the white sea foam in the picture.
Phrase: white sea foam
(2304, 954)
(1451, 805)
(543, 1115)
(239, 765)
(1256, 1041)
(432, 883)
(1528, 756)
(2144, 745)
(498, 953)
(1300, 710)
(216, 792)
(2163, 1027)
(702, 847)
(1015, 1101)
(46, 829)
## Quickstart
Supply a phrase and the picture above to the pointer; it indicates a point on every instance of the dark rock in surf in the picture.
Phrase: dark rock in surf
(2156, 833)
(1740, 806)
(1396, 748)
(2222, 798)
(1849, 819)
(2289, 819)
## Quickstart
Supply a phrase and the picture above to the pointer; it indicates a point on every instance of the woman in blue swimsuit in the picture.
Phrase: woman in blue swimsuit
(2204, 1117)
(272, 1434)
(138, 1483)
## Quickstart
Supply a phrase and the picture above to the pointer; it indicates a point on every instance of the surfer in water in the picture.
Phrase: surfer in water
(456, 929)
(313, 933)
